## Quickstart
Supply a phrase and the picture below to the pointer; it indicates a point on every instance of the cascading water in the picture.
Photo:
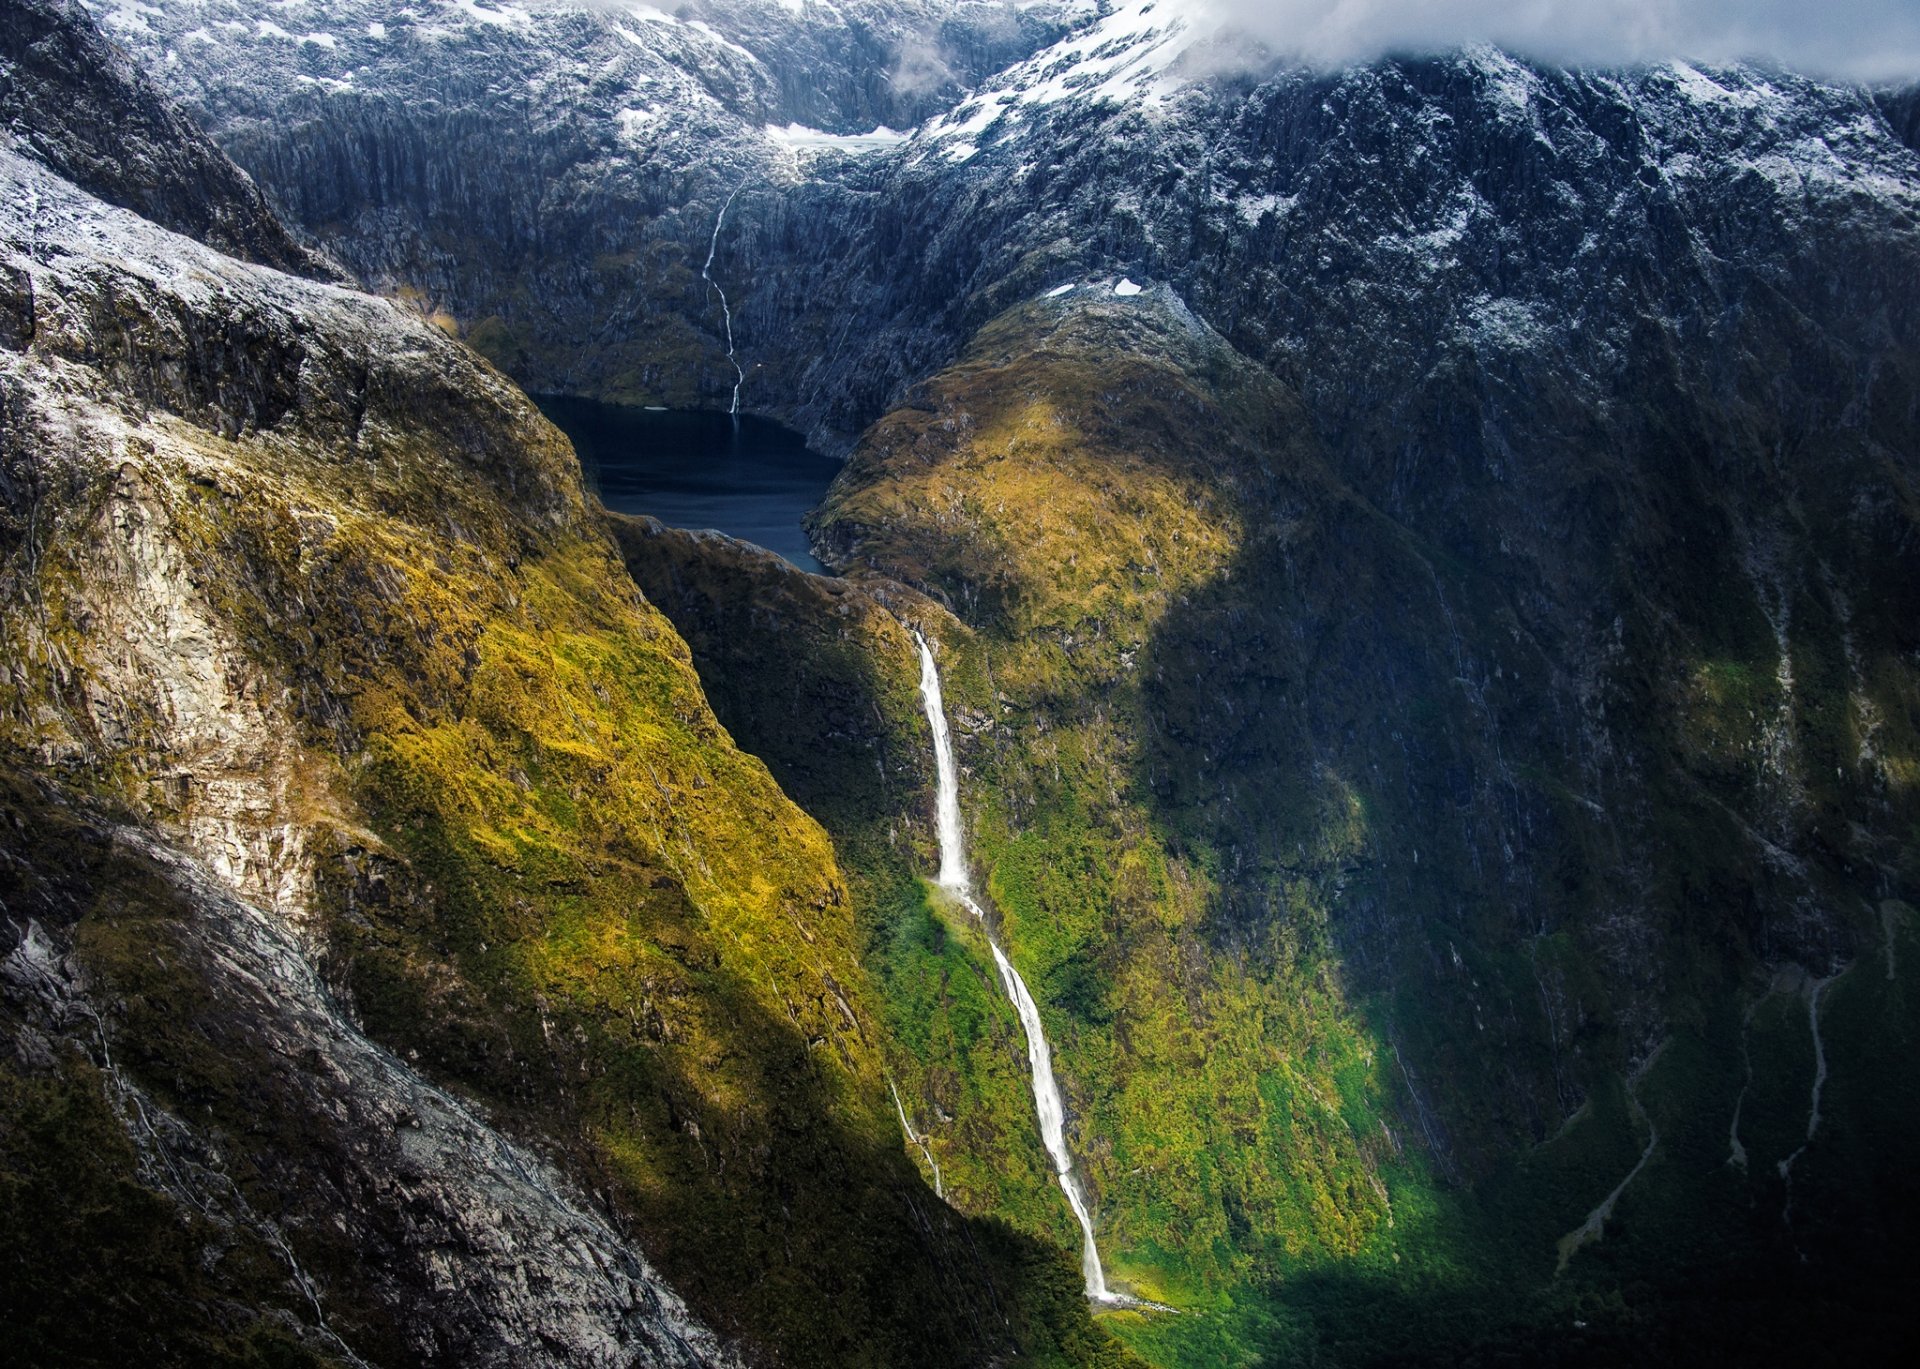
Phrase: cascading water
(726, 310)
(1047, 1102)
(939, 1184)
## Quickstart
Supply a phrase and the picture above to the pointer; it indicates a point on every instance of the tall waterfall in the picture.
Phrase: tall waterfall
(726, 309)
(1047, 1102)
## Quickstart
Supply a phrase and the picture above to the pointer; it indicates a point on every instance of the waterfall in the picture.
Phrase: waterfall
(726, 310)
(1814, 989)
(1047, 1102)
(939, 1186)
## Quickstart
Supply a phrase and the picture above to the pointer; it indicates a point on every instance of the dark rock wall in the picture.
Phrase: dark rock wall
(83, 108)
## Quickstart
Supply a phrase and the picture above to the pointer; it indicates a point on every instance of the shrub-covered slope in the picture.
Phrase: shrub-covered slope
(1388, 906)
(310, 589)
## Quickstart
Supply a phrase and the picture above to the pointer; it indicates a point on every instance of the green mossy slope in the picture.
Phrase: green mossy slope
(1356, 878)
(371, 629)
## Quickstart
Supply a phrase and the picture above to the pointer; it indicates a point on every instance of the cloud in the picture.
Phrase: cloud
(1868, 40)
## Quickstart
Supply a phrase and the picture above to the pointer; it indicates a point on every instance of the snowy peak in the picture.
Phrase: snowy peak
(841, 67)
(1131, 54)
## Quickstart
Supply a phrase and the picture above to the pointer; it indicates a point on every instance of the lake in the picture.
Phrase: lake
(695, 468)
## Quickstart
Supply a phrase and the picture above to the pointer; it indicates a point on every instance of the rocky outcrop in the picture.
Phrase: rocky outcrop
(78, 104)
(404, 1227)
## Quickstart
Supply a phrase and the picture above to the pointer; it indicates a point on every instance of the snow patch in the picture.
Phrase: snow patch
(504, 17)
(1254, 208)
(1508, 323)
(1128, 56)
(1701, 88)
(701, 26)
(800, 138)
(1060, 290)
(1126, 289)
(634, 122)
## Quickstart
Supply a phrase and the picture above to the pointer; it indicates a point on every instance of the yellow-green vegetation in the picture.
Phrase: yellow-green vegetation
(540, 868)
(1246, 764)
(1074, 476)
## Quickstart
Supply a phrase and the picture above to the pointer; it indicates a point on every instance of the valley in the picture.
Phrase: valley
(1301, 746)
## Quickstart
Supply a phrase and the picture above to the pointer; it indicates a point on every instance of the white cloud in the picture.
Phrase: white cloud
(1858, 39)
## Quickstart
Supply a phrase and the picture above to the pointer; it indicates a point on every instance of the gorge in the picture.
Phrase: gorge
(1049, 1107)
(1385, 594)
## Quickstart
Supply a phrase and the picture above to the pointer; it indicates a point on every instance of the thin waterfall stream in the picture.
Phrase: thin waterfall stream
(1047, 1101)
(726, 309)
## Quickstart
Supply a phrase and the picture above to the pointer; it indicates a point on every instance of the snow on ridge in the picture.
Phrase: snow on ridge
(1701, 88)
(505, 16)
(1126, 55)
(701, 26)
(800, 138)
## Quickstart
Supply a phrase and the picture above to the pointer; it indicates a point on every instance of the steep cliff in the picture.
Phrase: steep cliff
(1422, 560)
(80, 106)
(389, 915)
(1390, 901)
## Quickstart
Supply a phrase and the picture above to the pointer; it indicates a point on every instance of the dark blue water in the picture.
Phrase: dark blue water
(693, 468)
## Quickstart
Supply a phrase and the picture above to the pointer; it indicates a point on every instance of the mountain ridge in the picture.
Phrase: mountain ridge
(1422, 558)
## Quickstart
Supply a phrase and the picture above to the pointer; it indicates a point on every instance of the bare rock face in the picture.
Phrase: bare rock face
(86, 111)
(437, 1239)
(406, 1228)
(122, 651)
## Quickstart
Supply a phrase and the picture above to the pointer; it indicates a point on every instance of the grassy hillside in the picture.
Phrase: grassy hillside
(311, 587)
(1377, 906)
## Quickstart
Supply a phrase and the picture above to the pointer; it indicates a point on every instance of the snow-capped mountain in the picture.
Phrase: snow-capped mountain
(1401, 581)
(1470, 199)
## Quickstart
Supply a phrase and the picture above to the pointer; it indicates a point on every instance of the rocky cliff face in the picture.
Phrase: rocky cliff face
(395, 936)
(79, 105)
(1423, 561)
(534, 174)
(1392, 239)
(347, 1208)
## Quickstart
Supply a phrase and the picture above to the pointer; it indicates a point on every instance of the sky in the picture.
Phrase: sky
(1867, 40)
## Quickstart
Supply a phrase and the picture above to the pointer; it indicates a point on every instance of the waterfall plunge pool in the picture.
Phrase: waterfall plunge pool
(748, 477)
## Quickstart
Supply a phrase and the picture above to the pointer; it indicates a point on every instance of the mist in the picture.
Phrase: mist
(1863, 40)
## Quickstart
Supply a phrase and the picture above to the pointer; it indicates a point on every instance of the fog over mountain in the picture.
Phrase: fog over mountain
(1868, 40)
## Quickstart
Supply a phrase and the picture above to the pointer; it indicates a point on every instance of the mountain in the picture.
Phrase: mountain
(401, 965)
(77, 104)
(1420, 564)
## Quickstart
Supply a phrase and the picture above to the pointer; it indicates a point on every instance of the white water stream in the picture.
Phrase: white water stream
(1048, 1105)
(1814, 989)
(726, 310)
(939, 1184)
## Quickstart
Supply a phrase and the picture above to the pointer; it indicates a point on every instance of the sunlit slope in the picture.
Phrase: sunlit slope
(1361, 884)
(307, 584)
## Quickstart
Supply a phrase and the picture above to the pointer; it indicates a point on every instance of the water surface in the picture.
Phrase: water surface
(693, 468)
